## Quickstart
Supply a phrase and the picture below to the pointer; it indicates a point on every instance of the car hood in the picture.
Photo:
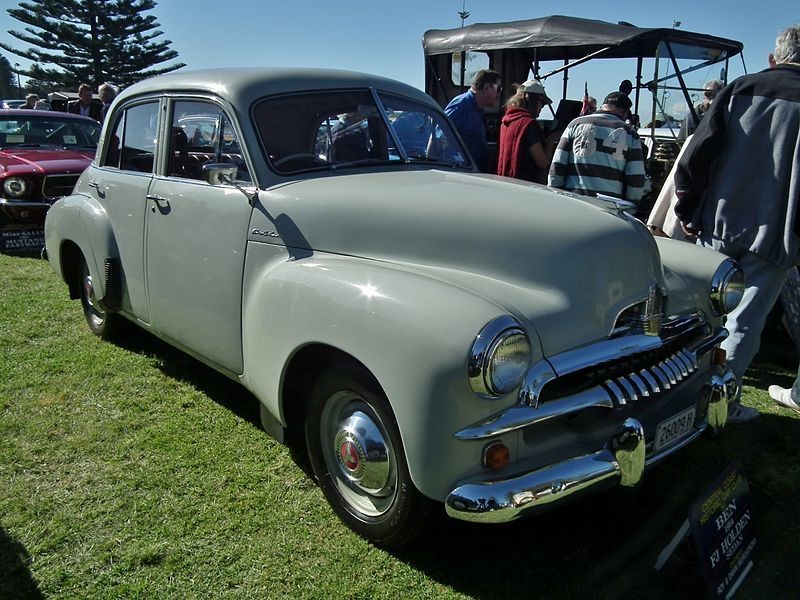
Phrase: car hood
(550, 258)
(44, 160)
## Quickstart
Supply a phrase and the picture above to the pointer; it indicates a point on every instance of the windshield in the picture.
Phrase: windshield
(340, 129)
(52, 130)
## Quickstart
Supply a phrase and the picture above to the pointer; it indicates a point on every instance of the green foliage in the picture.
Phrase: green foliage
(130, 470)
(90, 41)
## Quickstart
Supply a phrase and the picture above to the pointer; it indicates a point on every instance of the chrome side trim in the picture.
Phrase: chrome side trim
(23, 204)
(519, 416)
(614, 392)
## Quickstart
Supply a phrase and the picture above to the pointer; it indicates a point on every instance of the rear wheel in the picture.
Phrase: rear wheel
(357, 456)
(101, 323)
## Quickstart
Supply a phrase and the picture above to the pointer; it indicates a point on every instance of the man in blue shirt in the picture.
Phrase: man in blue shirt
(466, 113)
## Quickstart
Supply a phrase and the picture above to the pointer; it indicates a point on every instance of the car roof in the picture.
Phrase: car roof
(30, 112)
(242, 85)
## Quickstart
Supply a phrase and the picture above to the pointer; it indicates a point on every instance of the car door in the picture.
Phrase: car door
(196, 235)
(121, 184)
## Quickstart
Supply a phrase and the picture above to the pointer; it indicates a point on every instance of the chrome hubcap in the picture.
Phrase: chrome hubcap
(362, 453)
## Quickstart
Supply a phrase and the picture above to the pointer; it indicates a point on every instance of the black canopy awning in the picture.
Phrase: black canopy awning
(568, 38)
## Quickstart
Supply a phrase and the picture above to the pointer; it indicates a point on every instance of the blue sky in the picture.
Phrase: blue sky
(384, 37)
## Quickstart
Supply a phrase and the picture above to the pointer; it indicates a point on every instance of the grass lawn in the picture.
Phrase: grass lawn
(132, 471)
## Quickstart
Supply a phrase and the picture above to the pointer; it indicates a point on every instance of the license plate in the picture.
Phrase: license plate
(670, 431)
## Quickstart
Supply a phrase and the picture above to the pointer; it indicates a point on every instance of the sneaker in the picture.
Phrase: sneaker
(741, 414)
(783, 397)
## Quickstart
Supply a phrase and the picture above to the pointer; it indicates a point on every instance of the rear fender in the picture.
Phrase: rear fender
(79, 221)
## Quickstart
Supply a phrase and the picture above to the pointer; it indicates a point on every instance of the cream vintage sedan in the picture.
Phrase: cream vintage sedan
(436, 336)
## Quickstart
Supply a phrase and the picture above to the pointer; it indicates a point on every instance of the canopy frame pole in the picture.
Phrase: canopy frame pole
(639, 64)
(575, 63)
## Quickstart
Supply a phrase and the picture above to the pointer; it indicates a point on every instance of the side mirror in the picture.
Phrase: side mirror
(220, 173)
(225, 173)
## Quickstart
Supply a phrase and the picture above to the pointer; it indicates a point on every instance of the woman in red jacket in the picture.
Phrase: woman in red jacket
(521, 152)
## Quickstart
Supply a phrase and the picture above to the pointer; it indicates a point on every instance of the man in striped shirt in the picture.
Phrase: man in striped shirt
(601, 154)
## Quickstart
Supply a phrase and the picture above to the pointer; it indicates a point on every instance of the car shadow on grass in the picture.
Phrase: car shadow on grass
(16, 579)
(224, 391)
(182, 367)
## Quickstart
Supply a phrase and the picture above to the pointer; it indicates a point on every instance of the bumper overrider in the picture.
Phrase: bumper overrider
(662, 363)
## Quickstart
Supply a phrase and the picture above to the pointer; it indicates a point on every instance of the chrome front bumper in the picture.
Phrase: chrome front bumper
(621, 462)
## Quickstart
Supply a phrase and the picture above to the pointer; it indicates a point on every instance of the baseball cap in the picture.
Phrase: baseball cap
(618, 99)
(534, 87)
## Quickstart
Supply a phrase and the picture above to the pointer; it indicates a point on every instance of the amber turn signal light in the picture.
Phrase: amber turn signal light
(718, 357)
(495, 456)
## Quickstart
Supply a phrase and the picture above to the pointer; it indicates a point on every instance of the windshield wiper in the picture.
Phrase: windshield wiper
(440, 163)
(365, 161)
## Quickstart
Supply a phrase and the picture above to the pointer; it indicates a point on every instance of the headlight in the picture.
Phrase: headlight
(499, 359)
(15, 187)
(727, 287)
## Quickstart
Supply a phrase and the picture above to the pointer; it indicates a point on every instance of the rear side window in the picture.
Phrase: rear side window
(132, 147)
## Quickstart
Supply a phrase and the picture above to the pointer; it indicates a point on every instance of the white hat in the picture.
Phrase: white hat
(534, 87)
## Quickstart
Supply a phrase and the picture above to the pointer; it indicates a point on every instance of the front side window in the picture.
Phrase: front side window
(336, 130)
(200, 134)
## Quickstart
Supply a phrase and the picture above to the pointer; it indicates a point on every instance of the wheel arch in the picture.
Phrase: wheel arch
(302, 371)
(70, 257)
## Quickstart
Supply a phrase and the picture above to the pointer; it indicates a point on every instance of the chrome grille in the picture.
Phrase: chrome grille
(56, 186)
(627, 368)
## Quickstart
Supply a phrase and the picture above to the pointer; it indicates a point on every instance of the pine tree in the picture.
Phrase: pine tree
(91, 41)
(8, 85)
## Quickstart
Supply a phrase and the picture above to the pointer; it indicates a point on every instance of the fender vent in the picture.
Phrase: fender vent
(113, 284)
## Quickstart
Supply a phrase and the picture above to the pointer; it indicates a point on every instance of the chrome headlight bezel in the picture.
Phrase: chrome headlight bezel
(16, 187)
(727, 287)
(501, 339)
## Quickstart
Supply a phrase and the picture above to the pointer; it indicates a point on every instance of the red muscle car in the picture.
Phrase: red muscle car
(42, 155)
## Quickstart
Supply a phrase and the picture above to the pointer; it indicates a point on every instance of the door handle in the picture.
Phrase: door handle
(98, 188)
(160, 202)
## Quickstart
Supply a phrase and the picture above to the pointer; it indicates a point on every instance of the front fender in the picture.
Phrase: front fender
(411, 331)
(688, 271)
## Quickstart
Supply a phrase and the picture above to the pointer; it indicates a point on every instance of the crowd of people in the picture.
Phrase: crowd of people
(734, 188)
(84, 105)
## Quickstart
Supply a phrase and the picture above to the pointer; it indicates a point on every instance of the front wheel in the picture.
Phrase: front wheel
(101, 323)
(357, 456)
